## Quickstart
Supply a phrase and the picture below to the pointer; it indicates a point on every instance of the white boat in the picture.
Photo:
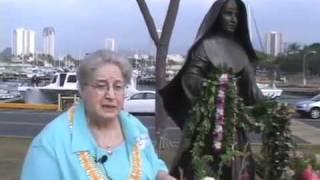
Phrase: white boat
(65, 84)
(270, 91)
(6, 94)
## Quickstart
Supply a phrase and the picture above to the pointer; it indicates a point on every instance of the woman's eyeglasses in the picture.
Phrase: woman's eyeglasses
(103, 88)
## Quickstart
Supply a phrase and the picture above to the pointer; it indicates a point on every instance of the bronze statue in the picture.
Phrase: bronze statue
(222, 41)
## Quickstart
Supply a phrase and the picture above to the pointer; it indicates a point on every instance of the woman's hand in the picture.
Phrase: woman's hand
(164, 176)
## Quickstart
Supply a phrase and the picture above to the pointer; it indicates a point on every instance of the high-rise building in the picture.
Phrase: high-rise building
(49, 41)
(18, 41)
(110, 44)
(274, 43)
(23, 42)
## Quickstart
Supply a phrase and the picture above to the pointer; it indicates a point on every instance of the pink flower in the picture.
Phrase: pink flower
(309, 174)
(220, 114)
(245, 176)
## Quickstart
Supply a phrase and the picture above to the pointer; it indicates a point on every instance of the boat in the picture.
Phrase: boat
(6, 94)
(63, 85)
(270, 91)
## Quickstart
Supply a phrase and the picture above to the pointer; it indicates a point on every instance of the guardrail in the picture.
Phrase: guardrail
(66, 101)
(63, 103)
(47, 107)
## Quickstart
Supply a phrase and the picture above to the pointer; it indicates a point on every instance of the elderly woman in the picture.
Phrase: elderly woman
(95, 139)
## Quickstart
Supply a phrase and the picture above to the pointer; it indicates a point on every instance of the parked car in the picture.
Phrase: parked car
(142, 102)
(309, 107)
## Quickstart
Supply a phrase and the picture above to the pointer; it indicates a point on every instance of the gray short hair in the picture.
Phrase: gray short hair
(97, 59)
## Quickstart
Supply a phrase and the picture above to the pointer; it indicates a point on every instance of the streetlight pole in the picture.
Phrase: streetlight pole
(304, 79)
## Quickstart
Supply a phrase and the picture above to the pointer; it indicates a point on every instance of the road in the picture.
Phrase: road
(23, 123)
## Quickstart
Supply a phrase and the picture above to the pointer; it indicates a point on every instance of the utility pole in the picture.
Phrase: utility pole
(304, 79)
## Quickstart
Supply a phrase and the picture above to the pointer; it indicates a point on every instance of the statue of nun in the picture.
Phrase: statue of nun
(222, 41)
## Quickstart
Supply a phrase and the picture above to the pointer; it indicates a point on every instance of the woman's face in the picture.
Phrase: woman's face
(229, 16)
(104, 94)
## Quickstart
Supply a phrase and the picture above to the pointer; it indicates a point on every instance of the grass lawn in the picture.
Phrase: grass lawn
(309, 149)
(13, 150)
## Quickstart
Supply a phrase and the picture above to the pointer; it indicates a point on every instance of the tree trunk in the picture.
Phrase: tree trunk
(161, 116)
(162, 45)
(149, 21)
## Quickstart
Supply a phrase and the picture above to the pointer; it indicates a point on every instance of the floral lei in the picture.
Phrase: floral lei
(92, 169)
(216, 118)
(220, 113)
(213, 129)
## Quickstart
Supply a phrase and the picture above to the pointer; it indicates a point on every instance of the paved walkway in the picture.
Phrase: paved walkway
(306, 132)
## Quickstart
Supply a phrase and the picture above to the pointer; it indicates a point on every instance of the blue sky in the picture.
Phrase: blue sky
(82, 25)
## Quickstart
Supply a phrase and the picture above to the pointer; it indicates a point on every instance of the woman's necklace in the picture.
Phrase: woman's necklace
(111, 144)
(89, 164)
(109, 150)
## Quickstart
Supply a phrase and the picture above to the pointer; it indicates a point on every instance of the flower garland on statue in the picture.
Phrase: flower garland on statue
(95, 172)
(220, 116)
(215, 128)
(274, 161)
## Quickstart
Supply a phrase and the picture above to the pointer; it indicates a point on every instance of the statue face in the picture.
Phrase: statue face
(229, 17)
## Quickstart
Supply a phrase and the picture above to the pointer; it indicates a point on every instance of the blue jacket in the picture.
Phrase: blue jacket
(54, 153)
